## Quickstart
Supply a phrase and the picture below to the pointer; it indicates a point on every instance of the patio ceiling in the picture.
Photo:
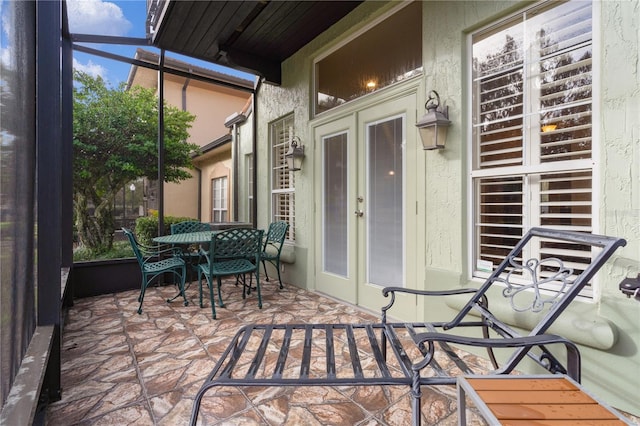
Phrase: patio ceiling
(253, 36)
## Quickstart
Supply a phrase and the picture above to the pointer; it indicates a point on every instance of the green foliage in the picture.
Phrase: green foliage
(147, 227)
(115, 134)
(119, 250)
(115, 131)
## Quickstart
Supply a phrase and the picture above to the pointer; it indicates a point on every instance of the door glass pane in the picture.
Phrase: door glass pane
(384, 210)
(335, 204)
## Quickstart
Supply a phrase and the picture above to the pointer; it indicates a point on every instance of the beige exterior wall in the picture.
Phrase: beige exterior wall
(211, 104)
(443, 233)
(216, 165)
(181, 199)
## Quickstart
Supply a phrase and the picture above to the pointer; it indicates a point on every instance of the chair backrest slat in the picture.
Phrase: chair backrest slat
(134, 245)
(276, 235)
(189, 226)
(236, 243)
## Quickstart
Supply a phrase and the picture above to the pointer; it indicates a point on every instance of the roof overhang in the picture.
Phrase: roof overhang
(252, 36)
(212, 148)
(189, 71)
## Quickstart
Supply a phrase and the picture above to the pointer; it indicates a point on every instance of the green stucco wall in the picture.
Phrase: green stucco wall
(612, 374)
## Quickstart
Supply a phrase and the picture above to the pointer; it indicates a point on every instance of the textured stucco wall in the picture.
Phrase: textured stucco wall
(444, 59)
(294, 96)
(615, 374)
(610, 374)
(243, 142)
(619, 120)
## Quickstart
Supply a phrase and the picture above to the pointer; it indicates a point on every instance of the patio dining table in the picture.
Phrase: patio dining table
(186, 238)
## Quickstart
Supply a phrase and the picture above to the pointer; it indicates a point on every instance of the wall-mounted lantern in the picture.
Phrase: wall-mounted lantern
(295, 155)
(433, 126)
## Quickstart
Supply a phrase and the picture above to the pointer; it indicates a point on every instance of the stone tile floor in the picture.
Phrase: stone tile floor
(121, 368)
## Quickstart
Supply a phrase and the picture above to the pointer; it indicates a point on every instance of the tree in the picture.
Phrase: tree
(114, 142)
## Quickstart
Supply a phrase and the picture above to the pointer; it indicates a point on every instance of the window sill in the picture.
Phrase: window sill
(288, 254)
(579, 323)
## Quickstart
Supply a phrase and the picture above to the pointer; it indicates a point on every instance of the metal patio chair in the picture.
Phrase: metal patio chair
(191, 253)
(272, 248)
(232, 252)
(155, 261)
(189, 226)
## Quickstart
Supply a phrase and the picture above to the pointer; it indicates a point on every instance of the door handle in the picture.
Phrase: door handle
(359, 213)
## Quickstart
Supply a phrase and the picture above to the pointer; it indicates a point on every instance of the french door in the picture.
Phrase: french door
(366, 205)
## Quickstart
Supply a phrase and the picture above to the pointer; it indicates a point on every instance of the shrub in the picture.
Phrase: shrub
(147, 227)
(146, 230)
(120, 249)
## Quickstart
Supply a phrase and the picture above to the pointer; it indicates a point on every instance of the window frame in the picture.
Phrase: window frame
(346, 41)
(224, 209)
(531, 217)
(277, 147)
(249, 186)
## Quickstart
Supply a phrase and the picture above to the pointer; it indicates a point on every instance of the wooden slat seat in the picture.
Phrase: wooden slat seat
(543, 400)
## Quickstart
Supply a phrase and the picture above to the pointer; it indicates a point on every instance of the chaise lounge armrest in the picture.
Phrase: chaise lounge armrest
(393, 290)
(526, 343)
(448, 292)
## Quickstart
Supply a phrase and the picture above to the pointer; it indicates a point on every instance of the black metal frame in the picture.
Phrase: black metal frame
(53, 179)
(160, 67)
(414, 344)
(42, 207)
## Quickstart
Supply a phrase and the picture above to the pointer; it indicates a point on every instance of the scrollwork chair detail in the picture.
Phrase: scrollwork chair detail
(529, 276)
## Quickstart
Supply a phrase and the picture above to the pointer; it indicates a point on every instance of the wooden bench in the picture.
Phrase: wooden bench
(540, 400)
(423, 352)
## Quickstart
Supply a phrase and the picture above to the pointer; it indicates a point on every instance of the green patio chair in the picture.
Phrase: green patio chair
(155, 261)
(272, 248)
(232, 252)
(190, 254)
(189, 226)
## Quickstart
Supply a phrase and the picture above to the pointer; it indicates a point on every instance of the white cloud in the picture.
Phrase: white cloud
(97, 17)
(90, 68)
(5, 58)
(6, 39)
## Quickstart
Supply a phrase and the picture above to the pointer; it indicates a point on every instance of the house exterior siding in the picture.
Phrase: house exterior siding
(607, 327)
(211, 105)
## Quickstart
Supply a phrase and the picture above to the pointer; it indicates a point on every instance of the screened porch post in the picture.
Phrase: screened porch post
(161, 144)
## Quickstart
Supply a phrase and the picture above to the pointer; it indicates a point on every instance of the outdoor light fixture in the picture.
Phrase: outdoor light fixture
(433, 126)
(295, 154)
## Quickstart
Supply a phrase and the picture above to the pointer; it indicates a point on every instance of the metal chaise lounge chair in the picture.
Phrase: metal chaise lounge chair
(422, 353)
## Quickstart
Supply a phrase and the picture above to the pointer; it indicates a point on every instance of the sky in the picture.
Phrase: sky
(123, 18)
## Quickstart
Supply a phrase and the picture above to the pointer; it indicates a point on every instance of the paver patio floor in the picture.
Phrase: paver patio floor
(121, 368)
